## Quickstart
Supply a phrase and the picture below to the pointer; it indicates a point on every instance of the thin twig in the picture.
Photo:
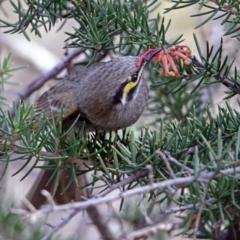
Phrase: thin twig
(145, 216)
(48, 196)
(60, 225)
(24, 24)
(165, 159)
(175, 161)
(226, 6)
(197, 223)
(187, 207)
(123, 182)
(149, 231)
(29, 205)
(234, 86)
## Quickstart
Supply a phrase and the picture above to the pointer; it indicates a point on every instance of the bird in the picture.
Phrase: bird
(106, 96)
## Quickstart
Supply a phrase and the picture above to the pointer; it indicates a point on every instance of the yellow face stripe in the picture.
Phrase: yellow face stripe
(131, 85)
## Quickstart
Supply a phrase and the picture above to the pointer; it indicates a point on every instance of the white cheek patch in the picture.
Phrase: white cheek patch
(123, 101)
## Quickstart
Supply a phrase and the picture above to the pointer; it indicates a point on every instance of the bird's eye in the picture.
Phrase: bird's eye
(134, 77)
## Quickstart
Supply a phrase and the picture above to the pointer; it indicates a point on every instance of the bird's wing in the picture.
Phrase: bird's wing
(60, 99)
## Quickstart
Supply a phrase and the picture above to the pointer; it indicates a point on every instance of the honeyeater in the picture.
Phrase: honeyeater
(107, 95)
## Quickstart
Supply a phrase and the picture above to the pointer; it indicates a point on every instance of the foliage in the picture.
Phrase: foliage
(5, 76)
(185, 139)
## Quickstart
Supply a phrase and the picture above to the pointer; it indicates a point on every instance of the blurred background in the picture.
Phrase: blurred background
(42, 54)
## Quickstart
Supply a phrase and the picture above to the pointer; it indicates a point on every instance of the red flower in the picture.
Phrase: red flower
(169, 58)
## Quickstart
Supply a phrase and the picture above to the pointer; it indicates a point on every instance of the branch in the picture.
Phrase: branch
(226, 6)
(38, 82)
(202, 177)
(149, 231)
(94, 213)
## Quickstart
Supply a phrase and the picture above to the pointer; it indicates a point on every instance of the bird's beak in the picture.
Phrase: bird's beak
(149, 56)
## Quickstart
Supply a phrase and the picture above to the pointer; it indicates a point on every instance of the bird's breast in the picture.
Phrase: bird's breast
(118, 115)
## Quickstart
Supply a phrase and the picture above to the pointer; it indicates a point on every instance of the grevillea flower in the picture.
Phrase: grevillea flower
(170, 59)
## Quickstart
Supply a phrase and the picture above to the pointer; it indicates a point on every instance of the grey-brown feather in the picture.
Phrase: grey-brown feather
(89, 91)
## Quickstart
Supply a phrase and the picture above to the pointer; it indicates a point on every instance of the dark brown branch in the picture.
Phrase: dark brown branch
(99, 222)
(235, 87)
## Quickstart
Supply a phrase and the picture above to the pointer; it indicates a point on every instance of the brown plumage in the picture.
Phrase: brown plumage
(92, 93)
